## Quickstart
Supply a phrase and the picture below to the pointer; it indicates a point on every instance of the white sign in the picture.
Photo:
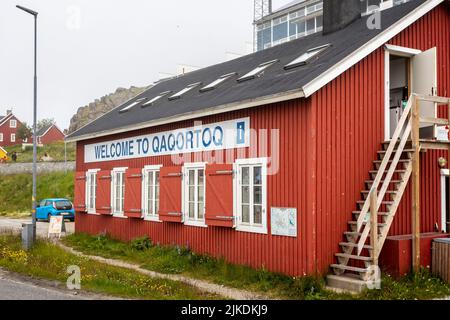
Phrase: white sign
(216, 136)
(442, 133)
(56, 225)
(284, 221)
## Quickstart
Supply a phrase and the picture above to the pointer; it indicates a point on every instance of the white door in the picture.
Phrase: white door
(424, 81)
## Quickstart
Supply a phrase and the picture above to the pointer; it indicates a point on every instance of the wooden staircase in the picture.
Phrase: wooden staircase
(388, 207)
(367, 231)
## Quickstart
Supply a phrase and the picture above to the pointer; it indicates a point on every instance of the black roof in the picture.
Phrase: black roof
(275, 79)
(43, 130)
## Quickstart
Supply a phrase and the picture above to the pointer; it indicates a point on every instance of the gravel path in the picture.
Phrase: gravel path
(14, 286)
(227, 292)
(15, 225)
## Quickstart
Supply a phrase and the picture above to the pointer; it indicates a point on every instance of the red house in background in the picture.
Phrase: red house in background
(9, 125)
(49, 134)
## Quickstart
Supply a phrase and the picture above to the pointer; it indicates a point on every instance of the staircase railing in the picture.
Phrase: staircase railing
(402, 131)
(409, 124)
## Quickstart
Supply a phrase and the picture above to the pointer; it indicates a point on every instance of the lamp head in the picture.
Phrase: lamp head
(34, 13)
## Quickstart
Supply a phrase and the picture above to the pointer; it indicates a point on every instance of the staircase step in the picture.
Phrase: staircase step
(361, 202)
(354, 245)
(357, 213)
(348, 268)
(354, 223)
(347, 282)
(396, 171)
(370, 182)
(390, 161)
(387, 192)
(383, 152)
(354, 257)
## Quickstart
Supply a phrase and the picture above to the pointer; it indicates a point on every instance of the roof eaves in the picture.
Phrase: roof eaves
(3, 120)
(250, 103)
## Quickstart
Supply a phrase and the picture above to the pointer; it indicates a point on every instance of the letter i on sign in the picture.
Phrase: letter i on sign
(240, 139)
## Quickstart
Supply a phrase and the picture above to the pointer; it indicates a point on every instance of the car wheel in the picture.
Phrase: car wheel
(48, 217)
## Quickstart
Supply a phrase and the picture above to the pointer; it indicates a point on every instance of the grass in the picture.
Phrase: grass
(48, 261)
(175, 260)
(15, 190)
(54, 150)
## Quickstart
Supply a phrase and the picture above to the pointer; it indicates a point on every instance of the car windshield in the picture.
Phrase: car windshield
(63, 204)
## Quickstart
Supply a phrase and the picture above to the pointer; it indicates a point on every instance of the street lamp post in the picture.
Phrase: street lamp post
(33, 211)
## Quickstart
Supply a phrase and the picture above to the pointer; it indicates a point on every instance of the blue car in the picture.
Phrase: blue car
(55, 207)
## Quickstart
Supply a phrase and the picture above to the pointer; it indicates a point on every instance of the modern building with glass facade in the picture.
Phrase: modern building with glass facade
(294, 20)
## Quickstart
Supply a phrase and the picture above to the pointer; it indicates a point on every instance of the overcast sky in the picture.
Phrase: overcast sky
(88, 48)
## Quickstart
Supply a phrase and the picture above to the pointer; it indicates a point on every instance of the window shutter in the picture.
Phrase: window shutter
(219, 195)
(103, 196)
(133, 200)
(170, 179)
(80, 192)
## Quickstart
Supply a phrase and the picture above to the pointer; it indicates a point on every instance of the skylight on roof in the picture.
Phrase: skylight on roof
(158, 97)
(217, 82)
(306, 57)
(185, 90)
(133, 104)
(257, 71)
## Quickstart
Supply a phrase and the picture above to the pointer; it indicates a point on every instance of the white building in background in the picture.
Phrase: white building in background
(294, 20)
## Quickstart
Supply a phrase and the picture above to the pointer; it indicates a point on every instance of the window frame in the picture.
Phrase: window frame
(137, 102)
(182, 92)
(185, 198)
(145, 171)
(257, 71)
(237, 196)
(117, 214)
(151, 102)
(11, 123)
(89, 174)
(1, 137)
(307, 57)
(13, 137)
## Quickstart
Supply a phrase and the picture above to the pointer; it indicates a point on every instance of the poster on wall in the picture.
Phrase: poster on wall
(284, 221)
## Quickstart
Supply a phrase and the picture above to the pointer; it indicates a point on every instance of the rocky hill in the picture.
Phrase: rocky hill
(101, 106)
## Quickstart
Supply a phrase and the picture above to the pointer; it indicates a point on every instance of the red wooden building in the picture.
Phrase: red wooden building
(49, 134)
(9, 124)
(268, 160)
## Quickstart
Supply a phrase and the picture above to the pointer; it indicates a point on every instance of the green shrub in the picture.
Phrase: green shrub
(141, 244)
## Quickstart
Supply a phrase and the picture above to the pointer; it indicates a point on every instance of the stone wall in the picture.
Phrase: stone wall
(43, 167)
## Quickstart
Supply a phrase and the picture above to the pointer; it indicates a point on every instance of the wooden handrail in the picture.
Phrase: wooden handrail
(435, 99)
(374, 226)
(375, 199)
(385, 162)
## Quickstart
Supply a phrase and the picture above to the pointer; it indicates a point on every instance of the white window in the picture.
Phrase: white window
(306, 57)
(118, 191)
(91, 190)
(251, 194)
(13, 123)
(258, 70)
(150, 192)
(1, 137)
(13, 137)
(217, 82)
(153, 100)
(185, 90)
(194, 194)
(133, 104)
